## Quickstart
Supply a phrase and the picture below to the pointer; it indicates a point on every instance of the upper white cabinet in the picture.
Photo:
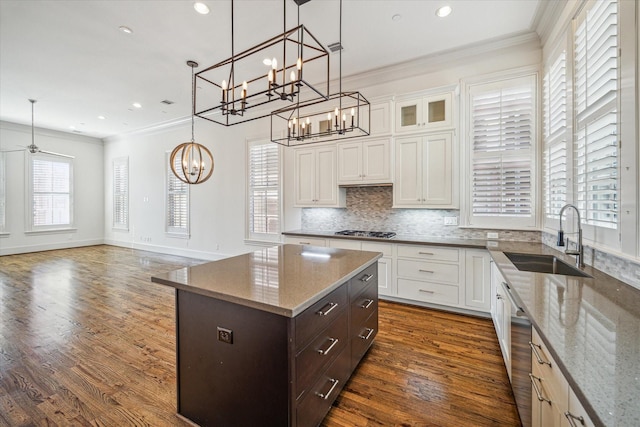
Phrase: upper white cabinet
(424, 171)
(367, 162)
(380, 118)
(316, 178)
(425, 113)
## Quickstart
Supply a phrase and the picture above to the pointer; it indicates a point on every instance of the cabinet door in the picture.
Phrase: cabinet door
(437, 171)
(349, 162)
(384, 276)
(305, 177)
(326, 176)
(408, 185)
(438, 111)
(380, 118)
(376, 159)
(409, 115)
(478, 280)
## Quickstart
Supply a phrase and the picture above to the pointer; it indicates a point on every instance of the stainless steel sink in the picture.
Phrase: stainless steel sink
(543, 264)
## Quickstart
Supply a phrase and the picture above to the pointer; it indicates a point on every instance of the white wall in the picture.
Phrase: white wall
(218, 205)
(88, 192)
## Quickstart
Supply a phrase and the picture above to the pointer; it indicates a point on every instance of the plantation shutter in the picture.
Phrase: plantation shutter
(51, 192)
(264, 190)
(596, 104)
(121, 193)
(555, 142)
(502, 123)
(177, 202)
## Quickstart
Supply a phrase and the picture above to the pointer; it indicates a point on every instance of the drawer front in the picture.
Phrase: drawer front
(363, 338)
(316, 403)
(431, 271)
(385, 248)
(354, 245)
(301, 240)
(363, 305)
(320, 352)
(428, 292)
(319, 315)
(429, 253)
(546, 368)
(361, 280)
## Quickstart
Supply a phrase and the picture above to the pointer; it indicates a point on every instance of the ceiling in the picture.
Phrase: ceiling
(72, 58)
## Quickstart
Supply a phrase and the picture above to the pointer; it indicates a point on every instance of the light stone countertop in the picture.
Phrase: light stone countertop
(284, 280)
(590, 325)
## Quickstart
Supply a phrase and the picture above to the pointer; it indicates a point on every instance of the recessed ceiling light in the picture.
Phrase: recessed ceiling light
(396, 17)
(201, 8)
(137, 105)
(443, 11)
(72, 127)
(101, 117)
(124, 29)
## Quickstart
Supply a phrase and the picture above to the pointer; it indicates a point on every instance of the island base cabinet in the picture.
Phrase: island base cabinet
(248, 378)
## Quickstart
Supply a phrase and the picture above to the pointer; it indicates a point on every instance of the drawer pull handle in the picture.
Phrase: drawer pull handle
(333, 386)
(366, 277)
(569, 416)
(534, 348)
(425, 271)
(324, 312)
(334, 341)
(305, 243)
(541, 398)
(367, 304)
(426, 291)
(425, 253)
(366, 337)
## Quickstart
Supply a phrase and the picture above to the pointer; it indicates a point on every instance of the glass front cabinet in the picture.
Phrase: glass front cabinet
(425, 113)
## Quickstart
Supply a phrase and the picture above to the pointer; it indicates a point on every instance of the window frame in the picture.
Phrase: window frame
(170, 178)
(3, 194)
(30, 211)
(120, 193)
(469, 87)
(252, 236)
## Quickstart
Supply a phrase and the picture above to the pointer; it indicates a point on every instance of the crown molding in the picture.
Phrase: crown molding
(18, 127)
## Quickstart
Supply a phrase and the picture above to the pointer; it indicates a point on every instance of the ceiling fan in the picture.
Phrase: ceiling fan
(33, 148)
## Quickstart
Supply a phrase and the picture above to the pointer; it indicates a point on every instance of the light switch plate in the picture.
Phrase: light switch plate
(450, 220)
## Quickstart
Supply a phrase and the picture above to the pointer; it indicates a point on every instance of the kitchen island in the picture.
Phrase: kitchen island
(271, 337)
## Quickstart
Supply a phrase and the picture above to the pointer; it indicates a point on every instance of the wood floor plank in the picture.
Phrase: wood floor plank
(87, 339)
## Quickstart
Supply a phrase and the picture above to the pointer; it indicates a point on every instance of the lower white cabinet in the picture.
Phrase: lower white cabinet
(477, 282)
(302, 240)
(554, 403)
(501, 315)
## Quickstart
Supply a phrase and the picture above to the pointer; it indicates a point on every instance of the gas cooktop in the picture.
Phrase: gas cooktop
(360, 233)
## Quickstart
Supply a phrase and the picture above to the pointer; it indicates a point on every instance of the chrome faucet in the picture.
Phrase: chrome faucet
(579, 251)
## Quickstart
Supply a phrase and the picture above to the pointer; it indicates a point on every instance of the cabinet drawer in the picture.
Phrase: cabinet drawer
(385, 248)
(428, 292)
(431, 271)
(363, 305)
(345, 244)
(320, 352)
(319, 315)
(363, 338)
(316, 403)
(363, 279)
(545, 367)
(429, 252)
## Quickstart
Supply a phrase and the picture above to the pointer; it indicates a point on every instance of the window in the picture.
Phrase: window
(263, 193)
(502, 133)
(121, 193)
(177, 202)
(51, 185)
(555, 138)
(3, 221)
(596, 109)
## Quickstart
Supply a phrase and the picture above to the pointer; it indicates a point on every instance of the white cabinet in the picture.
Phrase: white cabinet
(316, 178)
(501, 315)
(367, 162)
(477, 284)
(303, 240)
(385, 264)
(425, 113)
(380, 118)
(424, 171)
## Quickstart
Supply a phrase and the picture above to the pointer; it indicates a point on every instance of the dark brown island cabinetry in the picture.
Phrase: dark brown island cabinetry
(244, 362)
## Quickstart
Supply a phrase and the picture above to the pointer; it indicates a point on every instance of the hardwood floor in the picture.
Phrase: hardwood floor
(87, 339)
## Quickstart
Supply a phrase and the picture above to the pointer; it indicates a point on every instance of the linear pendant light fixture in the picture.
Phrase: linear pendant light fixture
(342, 115)
(195, 164)
(231, 91)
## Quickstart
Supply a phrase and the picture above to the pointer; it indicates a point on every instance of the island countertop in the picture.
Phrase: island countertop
(284, 280)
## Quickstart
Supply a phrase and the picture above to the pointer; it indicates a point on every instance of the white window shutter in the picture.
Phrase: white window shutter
(263, 191)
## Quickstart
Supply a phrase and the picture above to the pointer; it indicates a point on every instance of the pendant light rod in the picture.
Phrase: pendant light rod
(33, 138)
(193, 65)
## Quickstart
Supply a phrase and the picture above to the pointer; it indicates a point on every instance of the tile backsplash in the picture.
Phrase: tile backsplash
(369, 208)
